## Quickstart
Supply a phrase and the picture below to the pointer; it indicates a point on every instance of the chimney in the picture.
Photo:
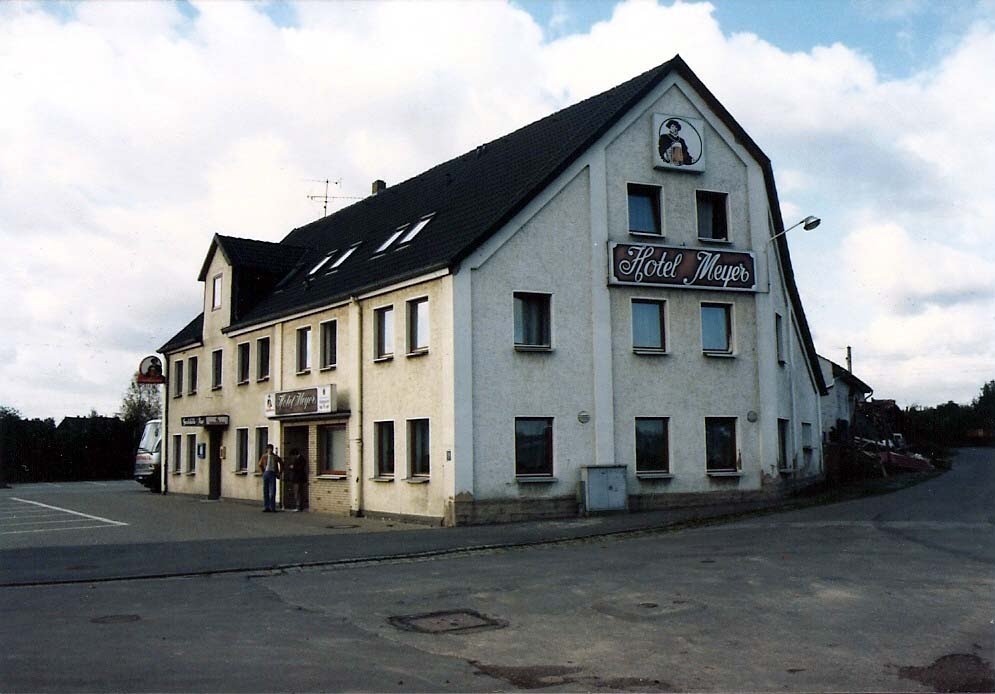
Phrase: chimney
(379, 186)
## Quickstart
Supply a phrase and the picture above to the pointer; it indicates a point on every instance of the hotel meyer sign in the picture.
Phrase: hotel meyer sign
(680, 267)
(319, 400)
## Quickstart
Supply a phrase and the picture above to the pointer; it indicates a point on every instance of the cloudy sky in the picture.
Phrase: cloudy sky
(131, 133)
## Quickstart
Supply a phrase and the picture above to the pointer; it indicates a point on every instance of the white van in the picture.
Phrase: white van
(148, 460)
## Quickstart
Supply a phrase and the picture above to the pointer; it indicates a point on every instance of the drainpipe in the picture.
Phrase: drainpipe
(163, 393)
(356, 405)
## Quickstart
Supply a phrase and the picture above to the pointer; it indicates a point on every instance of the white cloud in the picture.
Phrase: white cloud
(130, 134)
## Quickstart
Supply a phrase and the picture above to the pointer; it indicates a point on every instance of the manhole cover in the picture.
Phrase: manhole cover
(116, 619)
(341, 527)
(446, 622)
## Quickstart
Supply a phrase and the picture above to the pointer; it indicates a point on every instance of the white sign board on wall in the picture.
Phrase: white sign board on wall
(678, 142)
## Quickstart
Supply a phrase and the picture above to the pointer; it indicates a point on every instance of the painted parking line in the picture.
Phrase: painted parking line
(37, 514)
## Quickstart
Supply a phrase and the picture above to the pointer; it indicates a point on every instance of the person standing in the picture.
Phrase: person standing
(298, 476)
(271, 466)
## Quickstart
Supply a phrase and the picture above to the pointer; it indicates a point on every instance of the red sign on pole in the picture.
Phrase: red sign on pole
(150, 371)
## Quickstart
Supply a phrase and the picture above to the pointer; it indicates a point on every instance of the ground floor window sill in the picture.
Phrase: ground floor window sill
(725, 473)
(786, 470)
(417, 480)
(381, 479)
(241, 473)
(331, 477)
(655, 475)
(191, 473)
(535, 480)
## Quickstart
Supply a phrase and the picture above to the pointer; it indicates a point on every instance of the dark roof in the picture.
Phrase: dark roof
(276, 258)
(848, 378)
(471, 197)
(192, 334)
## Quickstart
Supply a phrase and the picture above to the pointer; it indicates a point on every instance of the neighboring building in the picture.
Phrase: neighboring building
(598, 288)
(839, 405)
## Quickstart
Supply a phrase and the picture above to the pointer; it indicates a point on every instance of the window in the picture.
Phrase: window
(716, 328)
(417, 326)
(191, 452)
(782, 444)
(216, 369)
(644, 209)
(216, 293)
(192, 377)
(712, 222)
(262, 359)
(533, 446)
(241, 450)
(262, 440)
(329, 344)
(342, 257)
(418, 448)
(384, 332)
(177, 379)
(243, 363)
(384, 435)
(177, 443)
(331, 451)
(320, 264)
(304, 349)
(779, 337)
(419, 225)
(648, 332)
(807, 449)
(720, 444)
(532, 321)
(652, 444)
(391, 239)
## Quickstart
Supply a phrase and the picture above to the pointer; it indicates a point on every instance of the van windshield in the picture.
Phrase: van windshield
(150, 436)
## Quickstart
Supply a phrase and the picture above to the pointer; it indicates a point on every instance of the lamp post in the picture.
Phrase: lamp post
(808, 224)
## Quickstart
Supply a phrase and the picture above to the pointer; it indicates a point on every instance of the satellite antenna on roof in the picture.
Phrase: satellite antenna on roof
(326, 197)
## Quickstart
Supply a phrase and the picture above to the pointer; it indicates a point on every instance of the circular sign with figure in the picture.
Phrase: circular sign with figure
(150, 371)
(679, 142)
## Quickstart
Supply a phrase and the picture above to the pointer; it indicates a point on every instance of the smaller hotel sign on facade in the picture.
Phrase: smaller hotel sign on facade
(682, 268)
(309, 401)
(211, 420)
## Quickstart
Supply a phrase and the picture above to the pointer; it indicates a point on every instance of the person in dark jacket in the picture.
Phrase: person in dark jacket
(298, 476)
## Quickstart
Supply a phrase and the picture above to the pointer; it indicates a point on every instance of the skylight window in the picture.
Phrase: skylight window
(343, 257)
(321, 263)
(419, 225)
(393, 237)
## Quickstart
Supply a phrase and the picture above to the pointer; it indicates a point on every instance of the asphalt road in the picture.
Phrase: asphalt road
(887, 593)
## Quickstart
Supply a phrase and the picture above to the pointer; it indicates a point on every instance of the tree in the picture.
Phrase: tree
(140, 404)
(9, 416)
(984, 405)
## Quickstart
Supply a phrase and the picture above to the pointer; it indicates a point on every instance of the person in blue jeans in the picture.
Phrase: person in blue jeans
(271, 466)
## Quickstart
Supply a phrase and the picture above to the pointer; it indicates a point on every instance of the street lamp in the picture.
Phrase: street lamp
(808, 224)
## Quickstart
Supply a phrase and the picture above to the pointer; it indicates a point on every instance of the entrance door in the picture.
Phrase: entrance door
(214, 460)
(294, 438)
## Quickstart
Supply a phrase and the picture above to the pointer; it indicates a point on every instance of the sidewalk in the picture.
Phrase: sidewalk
(75, 564)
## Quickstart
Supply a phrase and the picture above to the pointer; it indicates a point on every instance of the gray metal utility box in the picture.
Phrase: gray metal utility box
(603, 488)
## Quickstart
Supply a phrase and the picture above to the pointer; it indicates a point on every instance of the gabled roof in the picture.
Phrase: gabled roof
(276, 258)
(471, 197)
(192, 334)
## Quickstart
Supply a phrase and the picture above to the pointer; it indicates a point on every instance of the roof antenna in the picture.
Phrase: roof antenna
(326, 197)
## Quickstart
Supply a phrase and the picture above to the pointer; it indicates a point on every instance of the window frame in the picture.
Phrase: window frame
(664, 325)
(652, 472)
(261, 444)
(260, 362)
(176, 456)
(729, 307)
(193, 364)
(550, 437)
(176, 378)
(412, 331)
(302, 349)
(216, 291)
(726, 216)
(246, 366)
(191, 454)
(217, 369)
(241, 450)
(735, 470)
(655, 193)
(324, 326)
(381, 350)
(546, 330)
(779, 345)
(380, 459)
(321, 470)
(412, 453)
